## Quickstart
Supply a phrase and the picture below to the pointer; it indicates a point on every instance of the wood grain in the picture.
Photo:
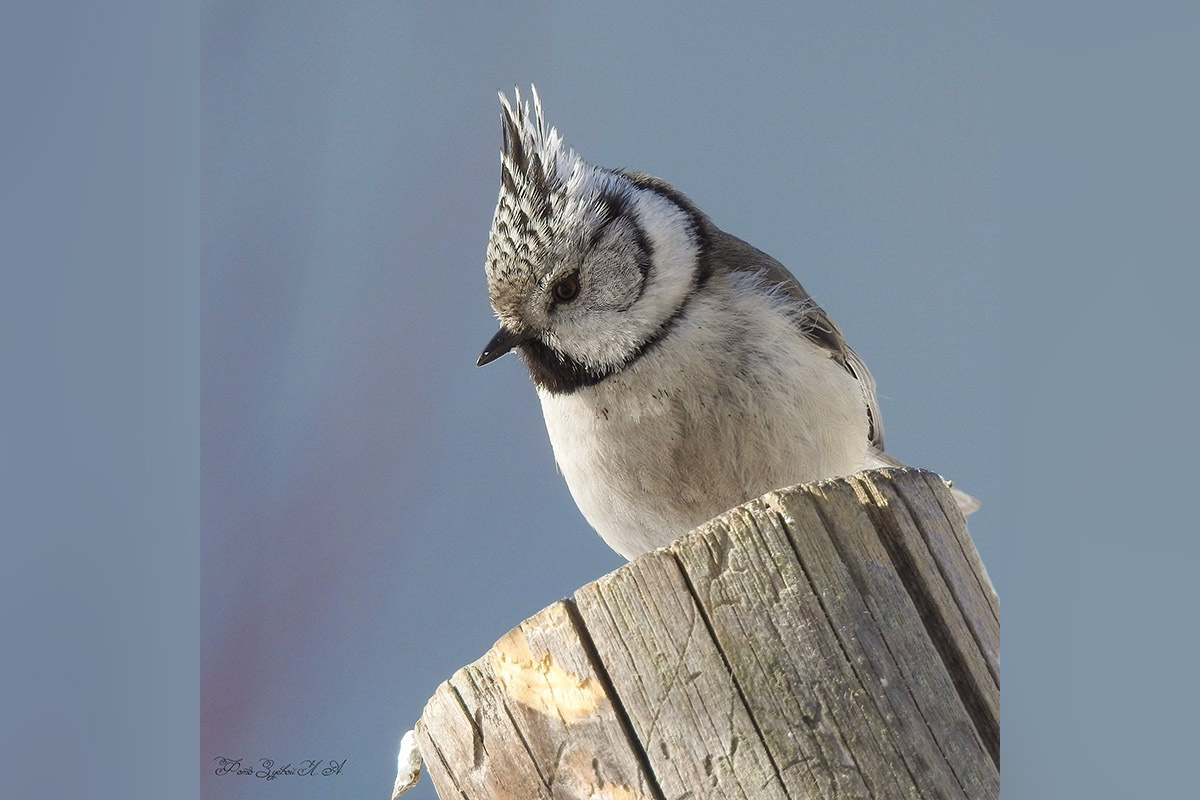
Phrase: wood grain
(835, 640)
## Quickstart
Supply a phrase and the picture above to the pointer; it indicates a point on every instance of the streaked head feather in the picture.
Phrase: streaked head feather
(548, 195)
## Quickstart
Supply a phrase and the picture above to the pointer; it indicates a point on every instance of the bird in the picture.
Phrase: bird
(681, 371)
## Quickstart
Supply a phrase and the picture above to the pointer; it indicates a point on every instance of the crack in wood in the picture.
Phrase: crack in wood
(851, 663)
(447, 771)
(646, 778)
(475, 718)
(971, 693)
(525, 744)
(740, 693)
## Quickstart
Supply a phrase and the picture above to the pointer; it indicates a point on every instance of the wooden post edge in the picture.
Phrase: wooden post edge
(837, 639)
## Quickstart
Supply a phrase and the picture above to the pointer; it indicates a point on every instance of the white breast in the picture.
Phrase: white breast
(733, 403)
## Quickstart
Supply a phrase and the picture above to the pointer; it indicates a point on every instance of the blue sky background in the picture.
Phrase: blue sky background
(256, 481)
(377, 510)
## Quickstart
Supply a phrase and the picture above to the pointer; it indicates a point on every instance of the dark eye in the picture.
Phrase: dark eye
(567, 289)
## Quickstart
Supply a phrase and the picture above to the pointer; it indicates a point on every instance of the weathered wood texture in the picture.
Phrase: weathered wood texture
(835, 640)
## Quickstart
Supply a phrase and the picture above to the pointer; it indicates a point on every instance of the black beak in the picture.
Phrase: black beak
(501, 343)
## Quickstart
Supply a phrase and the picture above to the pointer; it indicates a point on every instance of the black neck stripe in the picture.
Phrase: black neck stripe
(558, 373)
(696, 224)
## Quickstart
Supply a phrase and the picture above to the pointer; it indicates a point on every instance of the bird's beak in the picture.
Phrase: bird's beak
(501, 343)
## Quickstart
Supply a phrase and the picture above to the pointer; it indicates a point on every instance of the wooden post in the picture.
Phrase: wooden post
(838, 639)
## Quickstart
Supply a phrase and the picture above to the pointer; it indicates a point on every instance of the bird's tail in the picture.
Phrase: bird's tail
(877, 459)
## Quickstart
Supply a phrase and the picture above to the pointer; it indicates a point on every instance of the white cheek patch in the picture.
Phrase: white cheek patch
(612, 334)
(675, 251)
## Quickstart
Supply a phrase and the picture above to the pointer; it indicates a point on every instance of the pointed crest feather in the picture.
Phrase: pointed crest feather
(546, 192)
(534, 159)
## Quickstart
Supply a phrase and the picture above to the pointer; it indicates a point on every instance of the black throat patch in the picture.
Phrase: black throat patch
(558, 373)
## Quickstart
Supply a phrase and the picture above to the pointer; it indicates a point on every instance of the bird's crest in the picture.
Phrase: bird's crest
(534, 160)
(545, 189)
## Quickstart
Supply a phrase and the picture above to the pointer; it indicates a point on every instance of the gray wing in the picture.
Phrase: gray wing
(815, 324)
(733, 253)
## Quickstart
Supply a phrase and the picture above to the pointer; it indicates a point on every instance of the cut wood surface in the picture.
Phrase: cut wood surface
(834, 640)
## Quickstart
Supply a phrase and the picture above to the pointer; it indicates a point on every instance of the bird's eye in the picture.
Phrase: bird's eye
(567, 289)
